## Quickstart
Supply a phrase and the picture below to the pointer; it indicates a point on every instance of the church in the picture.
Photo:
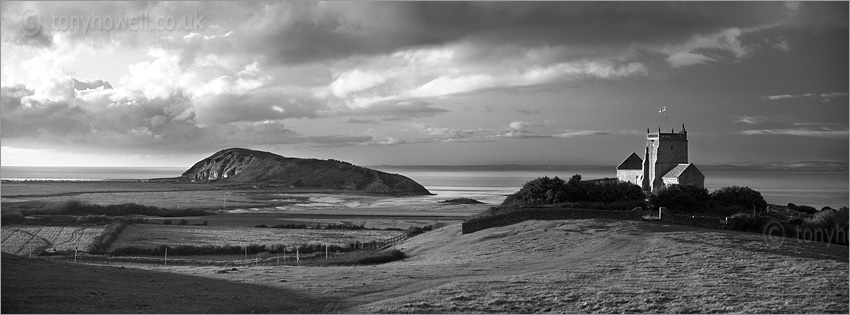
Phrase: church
(664, 163)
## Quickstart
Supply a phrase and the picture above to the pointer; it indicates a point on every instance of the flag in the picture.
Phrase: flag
(662, 109)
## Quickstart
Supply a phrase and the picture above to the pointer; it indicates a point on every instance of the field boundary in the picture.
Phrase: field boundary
(481, 223)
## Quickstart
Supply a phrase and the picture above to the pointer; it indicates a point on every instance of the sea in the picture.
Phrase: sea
(492, 184)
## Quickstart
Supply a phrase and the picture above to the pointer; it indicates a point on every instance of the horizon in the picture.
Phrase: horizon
(424, 83)
(793, 165)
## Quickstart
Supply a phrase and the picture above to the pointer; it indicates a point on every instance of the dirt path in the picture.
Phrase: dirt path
(580, 266)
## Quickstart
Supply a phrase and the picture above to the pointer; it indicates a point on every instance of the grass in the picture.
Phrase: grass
(39, 286)
(76, 207)
(365, 257)
(148, 235)
(21, 239)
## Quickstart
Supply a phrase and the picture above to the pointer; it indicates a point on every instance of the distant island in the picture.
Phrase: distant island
(244, 166)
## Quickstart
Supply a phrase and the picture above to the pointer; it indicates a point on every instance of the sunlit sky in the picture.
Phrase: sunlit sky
(437, 83)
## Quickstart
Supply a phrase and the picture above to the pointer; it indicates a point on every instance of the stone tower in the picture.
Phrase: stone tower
(664, 151)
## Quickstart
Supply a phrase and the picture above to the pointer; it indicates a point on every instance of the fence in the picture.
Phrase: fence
(481, 223)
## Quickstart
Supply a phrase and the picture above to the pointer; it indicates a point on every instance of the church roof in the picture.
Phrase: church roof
(681, 169)
(633, 162)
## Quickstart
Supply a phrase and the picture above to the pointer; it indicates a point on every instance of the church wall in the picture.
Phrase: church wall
(692, 177)
(632, 176)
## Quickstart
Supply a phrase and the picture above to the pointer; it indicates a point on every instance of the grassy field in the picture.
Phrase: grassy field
(23, 240)
(567, 266)
(49, 287)
(152, 235)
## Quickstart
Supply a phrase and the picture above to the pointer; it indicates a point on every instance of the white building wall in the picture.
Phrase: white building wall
(670, 181)
(631, 176)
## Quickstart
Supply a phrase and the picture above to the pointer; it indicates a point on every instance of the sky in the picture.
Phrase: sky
(421, 83)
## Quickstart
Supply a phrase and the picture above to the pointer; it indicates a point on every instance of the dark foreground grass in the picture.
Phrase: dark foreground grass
(43, 286)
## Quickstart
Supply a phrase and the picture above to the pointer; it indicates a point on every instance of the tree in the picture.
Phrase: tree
(543, 190)
(682, 198)
(743, 197)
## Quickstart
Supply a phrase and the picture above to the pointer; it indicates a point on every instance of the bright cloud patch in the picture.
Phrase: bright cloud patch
(824, 97)
(687, 59)
(823, 133)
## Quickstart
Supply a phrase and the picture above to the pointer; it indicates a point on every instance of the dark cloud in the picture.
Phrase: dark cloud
(91, 84)
(142, 126)
(304, 32)
(361, 121)
(395, 111)
(307, 32)
(528, 112)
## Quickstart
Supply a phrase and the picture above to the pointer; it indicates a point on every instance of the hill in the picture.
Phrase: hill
(239, 165)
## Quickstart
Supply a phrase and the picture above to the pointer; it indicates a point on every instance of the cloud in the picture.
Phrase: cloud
(91, 85)
(388, 141)
(528, 111)
(779, 97)
(249, 66)
(822, 133)
(443, 134)
(361, 121)
(136, 124)
(364, 140)
(355, 81)
(823, 97)
(752, 120)
(403, 110)
(579, 133)
(724, 44)
(533, 130)
(680, 59)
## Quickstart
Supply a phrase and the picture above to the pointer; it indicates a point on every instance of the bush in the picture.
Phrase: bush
(12, 218)
(76, 207)
(807, 209)
(743, 197)
(290, 226)
(747, 222)
(361, 258)
(110, 233)
(829, 219)
(166, 222)
(682, 198)
(545, 190)
(414, 230)
(182, 222)
(728, 210)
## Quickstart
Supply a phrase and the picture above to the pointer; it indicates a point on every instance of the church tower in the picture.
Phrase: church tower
(664, 152)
